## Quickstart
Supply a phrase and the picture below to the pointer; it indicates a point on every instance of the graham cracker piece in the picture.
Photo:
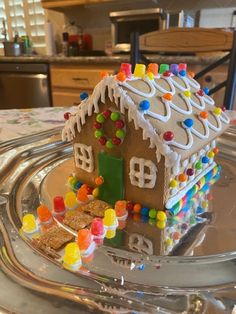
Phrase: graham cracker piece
(95, 208)
(55, 238)
(77, 220)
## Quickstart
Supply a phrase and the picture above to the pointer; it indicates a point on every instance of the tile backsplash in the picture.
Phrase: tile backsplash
(94, 18)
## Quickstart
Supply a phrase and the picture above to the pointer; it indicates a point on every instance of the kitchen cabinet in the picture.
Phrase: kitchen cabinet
(57, 4)
(68, 81)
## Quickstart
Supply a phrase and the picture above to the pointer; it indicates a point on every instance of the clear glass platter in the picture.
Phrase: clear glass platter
(35, 169)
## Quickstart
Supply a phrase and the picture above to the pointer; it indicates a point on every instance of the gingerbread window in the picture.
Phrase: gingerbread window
(84, 157)
(143, 173)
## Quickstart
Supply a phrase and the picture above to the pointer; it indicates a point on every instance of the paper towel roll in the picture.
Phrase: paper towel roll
(49, 39)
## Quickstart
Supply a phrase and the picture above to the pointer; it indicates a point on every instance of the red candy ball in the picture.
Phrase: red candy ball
(107, 113)
(223, 108)
(67, 115)
(89, 190)
(97, 125)
(102, 140)
(200, 92)
(119, 124)
(129, 206)
(168, 136)
(116, 141)
(167, 73)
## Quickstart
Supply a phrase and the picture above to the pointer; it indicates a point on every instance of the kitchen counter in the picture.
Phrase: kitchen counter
(116, 59)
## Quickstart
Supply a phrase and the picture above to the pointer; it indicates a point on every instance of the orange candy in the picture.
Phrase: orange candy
(121, 76)
(137, 208)
(120, 208)
(82, 194)
(182, 177)
(103, 74)
(176, 235)
(136, 217)
(84, 239)
(216, 150)
(204, 114)
(168, 96)
(44, 213)
(99, 180)
(153, 67)
(191, 74)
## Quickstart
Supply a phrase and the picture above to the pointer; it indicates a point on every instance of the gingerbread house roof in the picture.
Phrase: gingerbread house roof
(175, 114)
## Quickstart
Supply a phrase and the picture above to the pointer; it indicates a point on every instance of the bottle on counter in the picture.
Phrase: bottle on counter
(65, 44)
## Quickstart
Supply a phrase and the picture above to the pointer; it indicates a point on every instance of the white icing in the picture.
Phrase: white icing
(185, 163)
(193, 158)
(84, 157)
(173, 200)
(138, 176)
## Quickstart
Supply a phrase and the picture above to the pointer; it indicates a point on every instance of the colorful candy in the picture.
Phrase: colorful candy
(168, 136)
(190, 172)
(115, 116)
(187, 93)
(182, 177)
(144, 211)
(121, 76)
(163, 67)
(211, 154)
(58, 205)
(83, 95)
(174, 68)
(153, 68)
(168, 96)
(82, 194)
(144, 105)
(29, 224)
(67, 115)
(44, 214)
(97, 230)
(72, 257)
(126, 68)
(137, 208)
(70, 200)
(173, 184)
(150, 75)
(161, 215)
(110, 223)
(188, 123)
(152, 213)
(139, 70)
(204, 114)
(86, 244)
(120, 209)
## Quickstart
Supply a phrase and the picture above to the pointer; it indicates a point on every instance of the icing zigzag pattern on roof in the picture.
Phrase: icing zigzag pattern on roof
(127, 95)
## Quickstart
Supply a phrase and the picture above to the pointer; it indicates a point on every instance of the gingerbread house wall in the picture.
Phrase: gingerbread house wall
(132, 146)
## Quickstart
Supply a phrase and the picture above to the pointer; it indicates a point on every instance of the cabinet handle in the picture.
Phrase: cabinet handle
(80, 79)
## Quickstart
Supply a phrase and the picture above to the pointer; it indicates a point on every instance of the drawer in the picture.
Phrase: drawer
(75, 78)
(67, 98)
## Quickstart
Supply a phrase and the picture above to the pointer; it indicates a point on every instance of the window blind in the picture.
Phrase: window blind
(25, 17)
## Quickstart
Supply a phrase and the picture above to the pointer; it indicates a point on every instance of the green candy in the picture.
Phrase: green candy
(152, 221)
(98, 133)
(198, 165)
(120, 133)
(192, 220)
(100, 118)
(73, 182)
(164, 67)
(109, 144)
(115, 116)
(152, 213)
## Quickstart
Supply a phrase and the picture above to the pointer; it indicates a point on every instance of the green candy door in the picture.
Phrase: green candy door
(111, 169)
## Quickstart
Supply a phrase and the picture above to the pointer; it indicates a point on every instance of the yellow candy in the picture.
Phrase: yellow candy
(161, 224)
(205, 204)
(211, 154)
(110, 234)
(29, 224)
(70, 200)
(173, 183)
(109, 217)
(169, 242)
(139, 70)
(187, 93)
(150, 75)
(161, 215)
(217, 111)
(95, 192)
(72, 254)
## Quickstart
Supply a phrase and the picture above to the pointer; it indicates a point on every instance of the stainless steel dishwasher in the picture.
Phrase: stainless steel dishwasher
(24, 85)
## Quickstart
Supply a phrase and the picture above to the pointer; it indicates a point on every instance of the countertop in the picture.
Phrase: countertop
(115, 59)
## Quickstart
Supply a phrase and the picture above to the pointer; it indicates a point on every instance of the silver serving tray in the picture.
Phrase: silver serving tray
(203, 282)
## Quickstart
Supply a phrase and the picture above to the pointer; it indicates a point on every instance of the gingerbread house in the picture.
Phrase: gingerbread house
(150, 134)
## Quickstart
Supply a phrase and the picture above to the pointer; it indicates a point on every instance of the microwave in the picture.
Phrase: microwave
(123, 23)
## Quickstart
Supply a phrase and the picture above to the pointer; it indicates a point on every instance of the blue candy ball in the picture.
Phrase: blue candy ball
(182, 73)
(206, 90)
(144, 211)
(205, 160)
(78, 185)
(83, 96)
(144, 105)
(188, 123)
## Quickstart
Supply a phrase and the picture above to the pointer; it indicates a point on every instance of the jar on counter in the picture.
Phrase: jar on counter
(73, 49)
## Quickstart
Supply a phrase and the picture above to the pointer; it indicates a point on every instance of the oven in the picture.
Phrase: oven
(24, 85)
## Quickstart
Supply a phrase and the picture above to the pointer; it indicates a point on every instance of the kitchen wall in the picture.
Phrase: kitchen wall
(94, 18)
